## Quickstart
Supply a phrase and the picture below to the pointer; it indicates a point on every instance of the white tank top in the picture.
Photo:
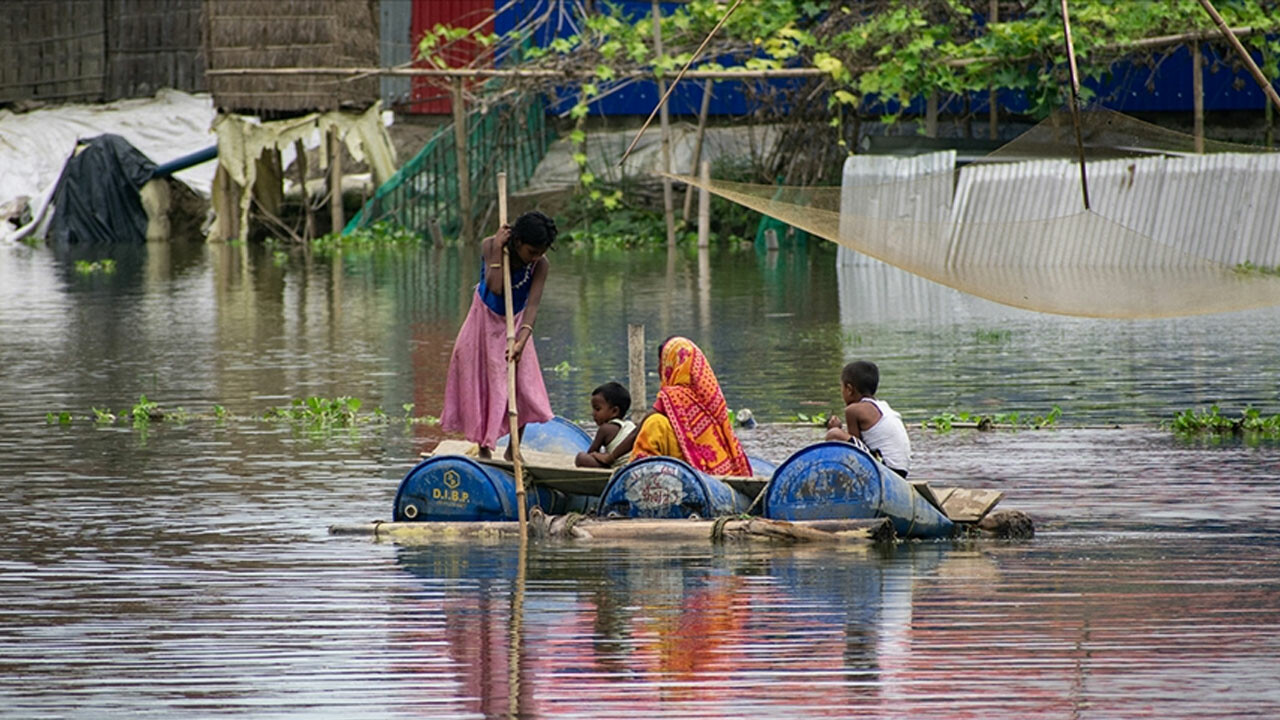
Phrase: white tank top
(889, 436)
(624, 429)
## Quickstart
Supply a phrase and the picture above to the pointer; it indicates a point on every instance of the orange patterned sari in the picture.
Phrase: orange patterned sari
(694, 419)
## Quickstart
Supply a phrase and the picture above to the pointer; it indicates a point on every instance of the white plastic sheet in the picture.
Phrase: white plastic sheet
(35, 145)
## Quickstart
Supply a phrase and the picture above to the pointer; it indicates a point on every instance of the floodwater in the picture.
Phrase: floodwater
(186, 568)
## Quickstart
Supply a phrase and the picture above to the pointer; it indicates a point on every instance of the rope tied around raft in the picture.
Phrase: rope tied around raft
(717, 527)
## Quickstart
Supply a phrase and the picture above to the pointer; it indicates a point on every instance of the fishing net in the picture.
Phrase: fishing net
(1170, 231)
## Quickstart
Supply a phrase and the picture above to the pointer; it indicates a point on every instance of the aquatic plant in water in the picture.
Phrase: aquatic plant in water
(1251, 423)
(104, 267)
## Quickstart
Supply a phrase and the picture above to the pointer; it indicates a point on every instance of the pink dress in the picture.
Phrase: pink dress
(475, 395)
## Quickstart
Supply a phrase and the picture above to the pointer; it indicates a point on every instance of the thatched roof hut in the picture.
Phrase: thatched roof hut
(291, 34)
(95, 50)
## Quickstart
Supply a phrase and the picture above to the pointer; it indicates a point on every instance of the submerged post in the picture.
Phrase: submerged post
(635, 369)
(512, 413)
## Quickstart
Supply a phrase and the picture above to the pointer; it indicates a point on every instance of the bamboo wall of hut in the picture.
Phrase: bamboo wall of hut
(99, 50)
(290, 34)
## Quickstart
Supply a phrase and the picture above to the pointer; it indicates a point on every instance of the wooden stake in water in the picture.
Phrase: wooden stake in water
(512, 414)
(635, 369)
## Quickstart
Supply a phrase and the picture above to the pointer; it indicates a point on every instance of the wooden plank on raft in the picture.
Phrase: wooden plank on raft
(556, 470)
(969, 506)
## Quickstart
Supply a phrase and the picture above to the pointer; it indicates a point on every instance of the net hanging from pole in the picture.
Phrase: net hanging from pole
(1171, 232)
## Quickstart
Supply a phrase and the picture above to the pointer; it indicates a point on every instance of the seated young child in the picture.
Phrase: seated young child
(870, 419)
(609, 405)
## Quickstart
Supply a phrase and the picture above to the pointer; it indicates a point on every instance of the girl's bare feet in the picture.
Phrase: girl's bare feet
(485, 453)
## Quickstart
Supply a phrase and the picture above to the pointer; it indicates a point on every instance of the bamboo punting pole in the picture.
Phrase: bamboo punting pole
(1075, 101)
(512, 414)
(1232, 37)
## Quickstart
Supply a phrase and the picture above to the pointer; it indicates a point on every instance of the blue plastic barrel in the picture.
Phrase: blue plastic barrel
(836, 481)
(761, 467)
(664, 487)
(457, 488)
(556, 435)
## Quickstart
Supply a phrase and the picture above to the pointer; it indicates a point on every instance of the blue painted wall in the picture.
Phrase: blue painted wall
(1130, 88)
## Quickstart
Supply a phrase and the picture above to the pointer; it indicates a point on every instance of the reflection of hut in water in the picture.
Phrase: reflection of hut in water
(263, 118)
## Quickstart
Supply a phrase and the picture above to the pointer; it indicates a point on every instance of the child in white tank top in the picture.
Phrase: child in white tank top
(870, 419)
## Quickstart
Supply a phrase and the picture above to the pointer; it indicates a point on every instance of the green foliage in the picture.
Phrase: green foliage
(58, 418)
(376, 236)
(992, 336)
(1248, 268)
(144, 411)
(876, 53)
(97, 267)
(1251, 423)
(819, 419)
(316, 411)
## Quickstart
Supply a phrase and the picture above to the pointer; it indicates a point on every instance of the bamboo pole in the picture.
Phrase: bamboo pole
(1232, 38)
(635, 370)
(336, 213)
(460, 153)
(742, 74)
(662, 101)
(993, 113)
(668, 203)
(704, 205)
(1197, 94)
(517, 632)
(517, 462)
(1075, 101)
(309, 220)
(697, 145)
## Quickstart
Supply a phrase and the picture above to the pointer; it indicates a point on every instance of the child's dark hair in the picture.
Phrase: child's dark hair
(616, 395)
(863, 375)
(535, 229)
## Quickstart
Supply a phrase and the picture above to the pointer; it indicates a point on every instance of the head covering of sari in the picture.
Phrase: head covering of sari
(690, 398)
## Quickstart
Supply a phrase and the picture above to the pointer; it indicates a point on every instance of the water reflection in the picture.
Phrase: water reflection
(1012, 632)
(613, 631)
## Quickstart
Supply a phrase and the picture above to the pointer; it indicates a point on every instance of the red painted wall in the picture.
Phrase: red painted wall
(430, 96)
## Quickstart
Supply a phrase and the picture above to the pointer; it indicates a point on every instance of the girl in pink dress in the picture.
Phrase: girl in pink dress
(475, 396)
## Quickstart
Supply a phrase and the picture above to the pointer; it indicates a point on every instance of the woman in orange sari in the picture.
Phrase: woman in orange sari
(690, 420)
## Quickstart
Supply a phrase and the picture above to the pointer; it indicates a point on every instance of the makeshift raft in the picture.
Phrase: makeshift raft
(453, 492)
